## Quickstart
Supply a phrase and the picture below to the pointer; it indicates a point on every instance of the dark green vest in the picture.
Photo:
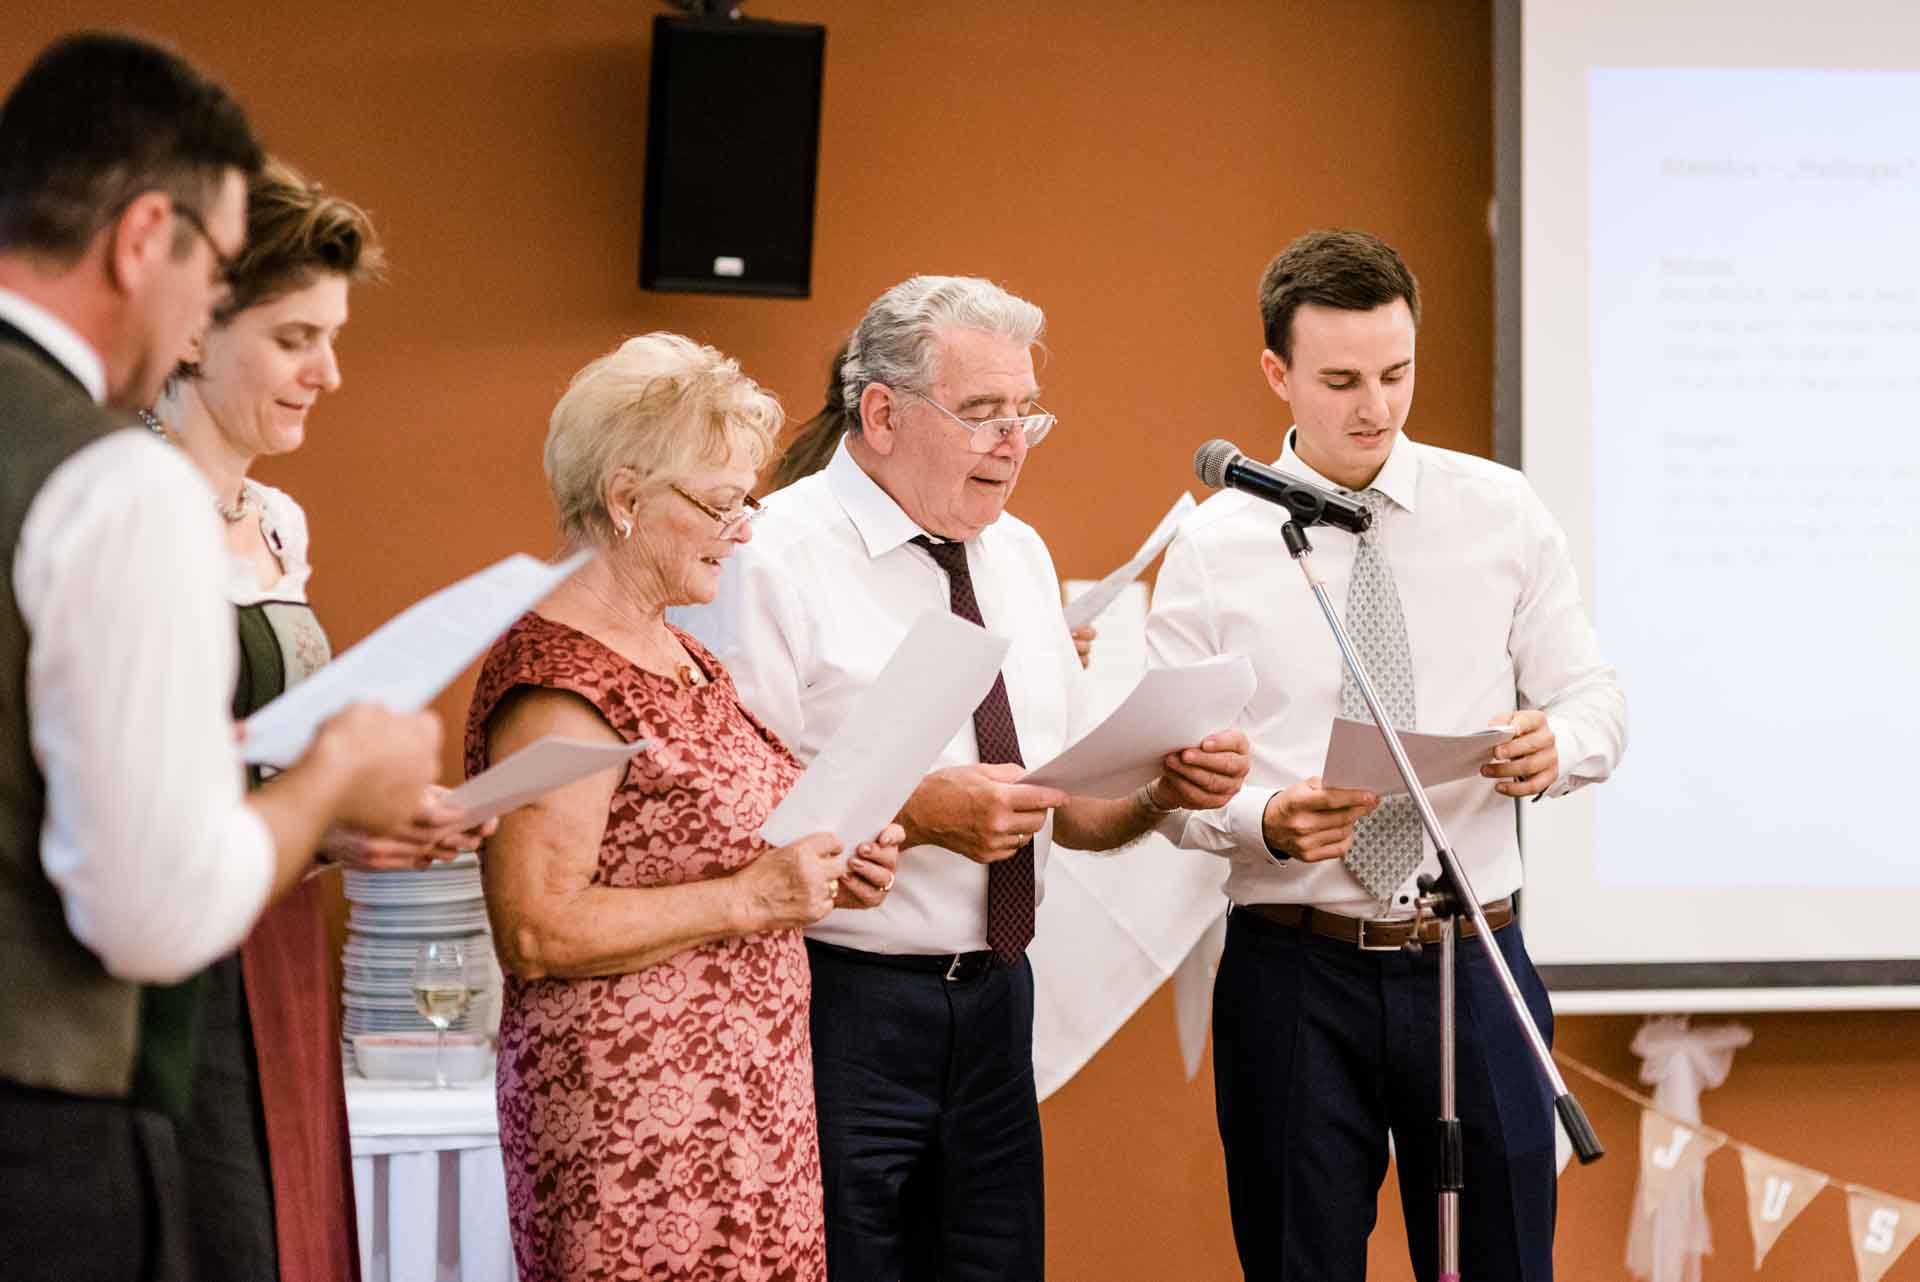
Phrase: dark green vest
(65, 1024)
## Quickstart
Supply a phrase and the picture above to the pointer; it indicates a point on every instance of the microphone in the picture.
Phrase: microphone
(1220, 464)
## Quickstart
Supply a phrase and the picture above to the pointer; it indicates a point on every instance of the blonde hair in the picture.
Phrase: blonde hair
(659, 405)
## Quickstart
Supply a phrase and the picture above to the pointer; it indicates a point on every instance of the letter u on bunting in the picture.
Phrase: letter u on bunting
(1667, 1148)
(1882, 1227)
(1777, 1192)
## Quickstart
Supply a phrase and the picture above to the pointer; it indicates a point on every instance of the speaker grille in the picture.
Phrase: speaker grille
(733, 149)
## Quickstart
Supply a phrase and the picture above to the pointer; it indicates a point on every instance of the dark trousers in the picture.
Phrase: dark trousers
(1320, 1049)
(89, 1191)
(228, 1189)
(929, 1125)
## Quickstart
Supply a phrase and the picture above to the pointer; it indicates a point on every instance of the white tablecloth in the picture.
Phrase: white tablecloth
(428, 1182)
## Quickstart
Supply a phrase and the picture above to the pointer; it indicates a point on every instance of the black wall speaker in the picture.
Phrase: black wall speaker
(733, 152)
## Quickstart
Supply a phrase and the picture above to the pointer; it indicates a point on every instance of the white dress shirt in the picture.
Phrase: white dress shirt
(1494, 623)
(812, 608)
(120, 576)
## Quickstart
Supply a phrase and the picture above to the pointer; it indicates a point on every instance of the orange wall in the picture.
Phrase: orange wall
(1128, 166)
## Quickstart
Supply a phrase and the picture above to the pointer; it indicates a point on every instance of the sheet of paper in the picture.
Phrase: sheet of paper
(410, 658)
(1171, 708)
(899, 724)
(534, 771)
(1356, 758)
(1083, 608)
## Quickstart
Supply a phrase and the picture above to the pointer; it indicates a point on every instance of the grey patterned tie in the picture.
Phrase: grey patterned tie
(1386, 844)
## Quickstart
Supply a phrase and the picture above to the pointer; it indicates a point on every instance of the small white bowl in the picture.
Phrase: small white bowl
(408, 1057)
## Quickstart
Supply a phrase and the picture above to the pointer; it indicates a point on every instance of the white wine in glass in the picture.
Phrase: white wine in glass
(441, 991)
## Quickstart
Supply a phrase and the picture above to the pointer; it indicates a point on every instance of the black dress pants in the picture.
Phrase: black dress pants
(929, 1125)
(89, 1191)
(1320, 1049)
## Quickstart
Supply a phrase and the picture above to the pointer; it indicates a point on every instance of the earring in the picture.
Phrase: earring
(626, 529)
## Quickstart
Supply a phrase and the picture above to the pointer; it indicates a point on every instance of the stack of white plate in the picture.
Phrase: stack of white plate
(392, 914)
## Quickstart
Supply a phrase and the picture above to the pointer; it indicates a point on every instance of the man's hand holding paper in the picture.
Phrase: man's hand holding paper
(983, 812)
(1529, 763)
(1205, 776)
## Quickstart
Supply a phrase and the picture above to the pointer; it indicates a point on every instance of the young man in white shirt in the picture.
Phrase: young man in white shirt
(1465, 606)
(923, 1007)
(129, 853)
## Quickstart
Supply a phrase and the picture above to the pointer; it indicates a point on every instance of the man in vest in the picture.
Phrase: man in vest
(128, 852)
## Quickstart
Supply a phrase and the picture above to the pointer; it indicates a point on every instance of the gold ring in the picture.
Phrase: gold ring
(833, 887)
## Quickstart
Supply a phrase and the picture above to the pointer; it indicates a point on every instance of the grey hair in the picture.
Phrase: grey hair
(895, 342)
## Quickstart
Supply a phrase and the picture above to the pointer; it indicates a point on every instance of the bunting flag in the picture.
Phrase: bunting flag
(1882, 1227)
(1777, 1191)
(1667, 1148)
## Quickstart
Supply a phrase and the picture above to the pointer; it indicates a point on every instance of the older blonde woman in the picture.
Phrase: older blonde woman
(655, 1079)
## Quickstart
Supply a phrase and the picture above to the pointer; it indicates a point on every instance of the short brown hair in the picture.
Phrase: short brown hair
(297, 232)
(99, 119)
(1354, 271)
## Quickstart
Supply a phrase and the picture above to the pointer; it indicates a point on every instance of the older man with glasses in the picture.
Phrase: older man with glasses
(923, 1007)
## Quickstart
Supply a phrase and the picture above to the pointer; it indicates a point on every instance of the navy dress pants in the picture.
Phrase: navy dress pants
(1320, 1049)
(929, 1125)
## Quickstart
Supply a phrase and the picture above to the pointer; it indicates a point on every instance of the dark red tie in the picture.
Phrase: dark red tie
(1010, 881)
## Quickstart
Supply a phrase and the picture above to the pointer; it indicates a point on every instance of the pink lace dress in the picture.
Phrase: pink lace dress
(659, 1123)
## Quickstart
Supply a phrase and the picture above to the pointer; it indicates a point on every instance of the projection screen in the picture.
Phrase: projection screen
(1710, 368)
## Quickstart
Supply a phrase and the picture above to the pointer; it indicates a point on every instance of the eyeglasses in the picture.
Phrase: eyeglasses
(985, 434)
(225, 267)
(731, 523)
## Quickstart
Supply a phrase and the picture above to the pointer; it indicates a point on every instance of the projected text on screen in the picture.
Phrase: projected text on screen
(1755, 331)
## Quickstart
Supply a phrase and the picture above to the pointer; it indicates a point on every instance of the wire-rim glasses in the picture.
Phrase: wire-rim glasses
(985, 435)
(731, 523)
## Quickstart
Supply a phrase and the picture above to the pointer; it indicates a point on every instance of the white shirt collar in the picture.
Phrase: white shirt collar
(883, 524)
(1397, 477)
(59, 340)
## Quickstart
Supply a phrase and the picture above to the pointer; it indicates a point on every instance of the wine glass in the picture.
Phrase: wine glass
(441, 991)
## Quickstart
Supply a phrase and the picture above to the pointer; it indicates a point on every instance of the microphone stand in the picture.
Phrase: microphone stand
(1445, 898)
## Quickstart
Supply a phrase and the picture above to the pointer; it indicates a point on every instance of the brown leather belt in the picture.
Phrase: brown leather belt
(1373, 934)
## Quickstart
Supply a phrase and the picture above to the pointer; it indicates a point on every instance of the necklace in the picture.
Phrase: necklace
(231, 515)
(685, 673)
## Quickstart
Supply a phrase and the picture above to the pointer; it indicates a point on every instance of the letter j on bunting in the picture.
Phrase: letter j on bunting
(1667, 1148)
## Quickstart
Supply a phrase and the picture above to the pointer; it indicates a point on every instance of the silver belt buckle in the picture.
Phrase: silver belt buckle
(953, 968)
(1362, 944)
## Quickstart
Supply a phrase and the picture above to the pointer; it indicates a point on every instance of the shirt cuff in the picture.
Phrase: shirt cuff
(1566, 742)
(1246, 823)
